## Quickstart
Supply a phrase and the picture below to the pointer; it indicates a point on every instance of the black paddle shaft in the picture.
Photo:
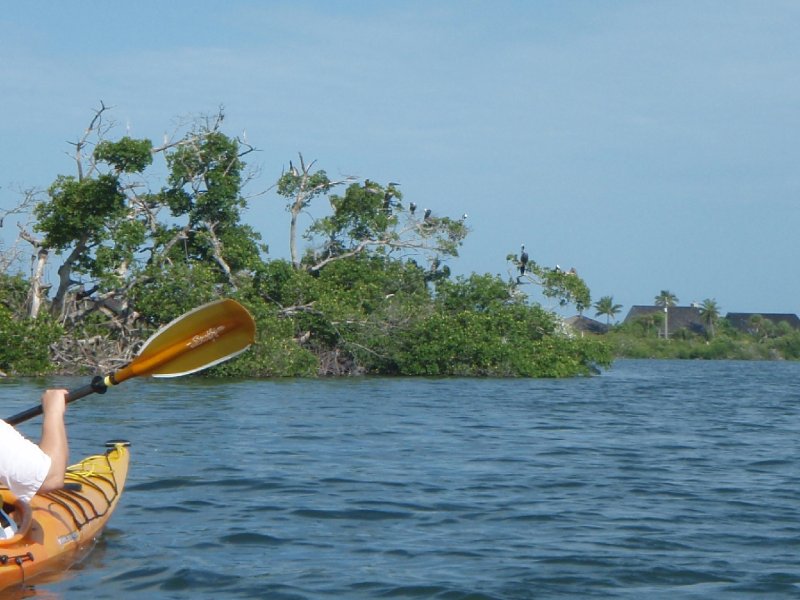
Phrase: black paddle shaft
(97, 386)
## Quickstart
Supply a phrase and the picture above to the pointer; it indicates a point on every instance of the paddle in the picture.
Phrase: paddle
(201, 338)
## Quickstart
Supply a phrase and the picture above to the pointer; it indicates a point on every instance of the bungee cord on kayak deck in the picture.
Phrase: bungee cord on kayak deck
(78, 476)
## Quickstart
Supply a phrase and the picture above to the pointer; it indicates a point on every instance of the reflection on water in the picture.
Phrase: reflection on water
(90, 557)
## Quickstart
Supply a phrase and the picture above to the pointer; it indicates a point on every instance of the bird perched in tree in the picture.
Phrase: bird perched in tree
(523, 261)
(427, 214)
(412, 207)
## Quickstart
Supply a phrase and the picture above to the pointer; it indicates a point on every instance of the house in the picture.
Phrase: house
(583, 325)
(678, 317)
(743, 321)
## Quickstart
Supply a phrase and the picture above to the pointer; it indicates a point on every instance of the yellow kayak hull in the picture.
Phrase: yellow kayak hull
(56, 529)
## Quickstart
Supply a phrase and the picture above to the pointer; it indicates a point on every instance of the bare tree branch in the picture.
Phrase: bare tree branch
(96, 127)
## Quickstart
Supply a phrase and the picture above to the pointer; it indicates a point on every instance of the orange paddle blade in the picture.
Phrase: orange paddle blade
(197, 340)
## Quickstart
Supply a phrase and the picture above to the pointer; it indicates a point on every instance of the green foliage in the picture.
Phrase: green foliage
(764, 341)
(478, 293)
(204, 189)
(567, 287)
(13, 291)
(475, 327)
(275, 353)
(361, 300)
(106, 229)
(363, 213)
(789, 345)
(515, 341)
(371, 216)
(666, 298)
(80, 211)
(564, 286)
(277, 283)
(606, 307)
(91, 220)
(291, 184)
(709, 312)
(210, 173)
(128, 238)
(126, 155)
(377, 315)
(167, 292)
(25, 343)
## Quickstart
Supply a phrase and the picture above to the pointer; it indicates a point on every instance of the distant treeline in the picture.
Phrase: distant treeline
(763, 340)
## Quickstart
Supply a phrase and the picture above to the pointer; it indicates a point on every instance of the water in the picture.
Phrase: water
(655, 480)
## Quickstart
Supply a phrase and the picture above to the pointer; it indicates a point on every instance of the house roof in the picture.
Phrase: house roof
(679, 317)
(585, 324)
(741, 321)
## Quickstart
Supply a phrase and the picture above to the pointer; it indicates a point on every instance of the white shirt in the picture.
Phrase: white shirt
(23, 465)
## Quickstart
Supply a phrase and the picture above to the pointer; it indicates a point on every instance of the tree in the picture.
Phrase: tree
(300, 187)
(757, 327)
(564, 286)
(204, 191)
(709, 312)
(605, 306)
(136, 254)
(24, 343)
(85, 212)
(133, 257)
(666, 299)
(370, 217)
(108, 225)
(476, 293)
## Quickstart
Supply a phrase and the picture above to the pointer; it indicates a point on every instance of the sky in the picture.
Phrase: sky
(650, 145)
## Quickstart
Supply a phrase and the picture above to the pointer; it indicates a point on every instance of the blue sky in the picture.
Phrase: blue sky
(650, 145)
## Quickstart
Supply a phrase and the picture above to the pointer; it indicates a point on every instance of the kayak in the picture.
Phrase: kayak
(58, 528)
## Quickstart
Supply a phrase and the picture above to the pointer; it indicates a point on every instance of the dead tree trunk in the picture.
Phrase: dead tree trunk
(37, 289)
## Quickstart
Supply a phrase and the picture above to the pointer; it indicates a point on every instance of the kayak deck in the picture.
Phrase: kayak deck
(55, 528)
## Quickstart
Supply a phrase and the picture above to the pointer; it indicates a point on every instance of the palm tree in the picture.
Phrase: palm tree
(755, 325)
(605, 306)
(666, 299)
(709, 312)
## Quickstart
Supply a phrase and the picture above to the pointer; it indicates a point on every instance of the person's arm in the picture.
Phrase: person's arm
(54, 439)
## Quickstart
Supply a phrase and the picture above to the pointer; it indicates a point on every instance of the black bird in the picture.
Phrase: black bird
(523, 261)
(412, 207)
(427, 214)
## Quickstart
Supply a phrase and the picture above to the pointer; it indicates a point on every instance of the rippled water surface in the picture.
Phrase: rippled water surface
(654, 480)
